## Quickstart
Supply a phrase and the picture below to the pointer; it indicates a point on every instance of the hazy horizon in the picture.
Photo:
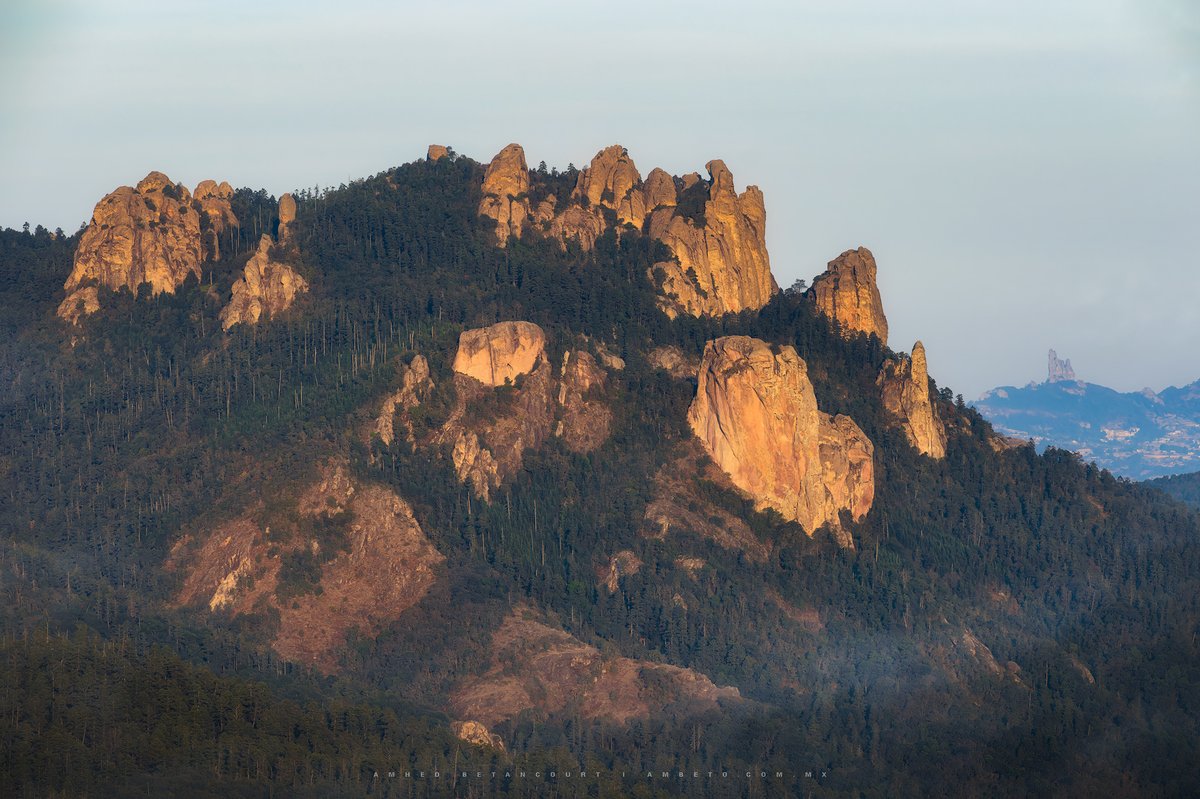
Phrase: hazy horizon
(1024, 175)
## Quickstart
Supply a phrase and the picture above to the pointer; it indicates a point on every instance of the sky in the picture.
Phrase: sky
(1026, 172)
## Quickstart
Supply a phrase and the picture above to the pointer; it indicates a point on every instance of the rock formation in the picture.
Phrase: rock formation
(415, 384)
(475, 733)
(623, 563)
(847, 293)
(583, 422)
(437, 152)
(216, 215)
(538, 667)
(721, 262)
(266, 288)
(148, 234)
(756, 414)
(287, 215)
(723, 267)
(904, 389)
(1059, 371)
(488, 438)
(388, 566)
(499, 354)
(505, 185)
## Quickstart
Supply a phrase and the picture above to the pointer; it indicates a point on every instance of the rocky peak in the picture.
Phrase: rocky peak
(287, 215)
(505, 184)
(266, 288)
(756, 414)
(847, 293)
(659, 189)
(612, 181)
(722, 267)
(501, 353)
(149, 234)
(904, 389)
(437, 152)
(1059, 371)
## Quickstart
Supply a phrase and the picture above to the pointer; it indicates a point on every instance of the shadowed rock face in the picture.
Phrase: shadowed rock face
(387, 567)
(756, 414)
(904, 390)
(149, 234)
(538, 668)
(847, 292)
(265, 289)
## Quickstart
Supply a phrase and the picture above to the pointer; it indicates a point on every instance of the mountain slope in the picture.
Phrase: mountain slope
(995, 622)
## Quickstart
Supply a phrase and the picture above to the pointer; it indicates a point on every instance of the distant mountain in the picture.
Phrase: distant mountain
(1137, 434)
(1184, 487)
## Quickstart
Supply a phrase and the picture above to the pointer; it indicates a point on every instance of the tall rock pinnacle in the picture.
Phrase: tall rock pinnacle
(847, 292)
(904, 389)
(1058, 371)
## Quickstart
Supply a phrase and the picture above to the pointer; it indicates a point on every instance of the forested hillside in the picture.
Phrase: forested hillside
(999, 623)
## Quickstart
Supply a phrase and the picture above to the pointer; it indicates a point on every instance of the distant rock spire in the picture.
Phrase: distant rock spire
(1059, 371)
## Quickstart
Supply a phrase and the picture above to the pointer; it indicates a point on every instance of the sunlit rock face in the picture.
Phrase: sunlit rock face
(153, 233)
(505, 185)
(500, 353)
(720, 261)
(265, 289)
(904, 390)
(723, 266)
(847, 292)
(756, 414)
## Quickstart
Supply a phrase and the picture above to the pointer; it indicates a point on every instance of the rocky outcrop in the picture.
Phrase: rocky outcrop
(437, 152)
(216, 215)
(721, 263)
(153, 233)
(847, 293)
(265, 289)
(612, 181)
(539, 669)
(500, 353)
(415, 385)
(1058, 371)
(619, 565)
(904, 389)
(386, 566)
(756, 414)
(287, 215)
(584, 421)
(475, 733)
(505, 186)
(723, 267)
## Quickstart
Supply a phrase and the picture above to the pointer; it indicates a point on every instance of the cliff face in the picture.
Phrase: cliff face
(904, 390)
(505, 184)
(500, 353)
(415, 385)
(723, 266)
(756, 414)
(149, 234)
(727, 256)
(847, 292)
(490, 429)
(266, 288)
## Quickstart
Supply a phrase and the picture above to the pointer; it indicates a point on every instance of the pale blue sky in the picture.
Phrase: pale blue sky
(1025, 172)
